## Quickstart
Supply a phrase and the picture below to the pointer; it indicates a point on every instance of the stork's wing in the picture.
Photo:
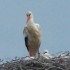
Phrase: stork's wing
(26, 38)
(26, 43)
(38, 26)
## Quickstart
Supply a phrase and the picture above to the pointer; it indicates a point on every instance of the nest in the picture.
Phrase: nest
(61, 62)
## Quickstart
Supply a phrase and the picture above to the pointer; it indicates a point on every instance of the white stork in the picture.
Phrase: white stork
(32, 34)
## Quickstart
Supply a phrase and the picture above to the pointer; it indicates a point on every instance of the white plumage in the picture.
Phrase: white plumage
(47, 55)
(32, 34)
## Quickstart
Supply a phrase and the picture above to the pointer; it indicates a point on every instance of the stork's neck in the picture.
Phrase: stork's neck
(29, 21)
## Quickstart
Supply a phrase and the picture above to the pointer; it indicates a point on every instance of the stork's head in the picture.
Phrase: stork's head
(29, 16)
(46, 51)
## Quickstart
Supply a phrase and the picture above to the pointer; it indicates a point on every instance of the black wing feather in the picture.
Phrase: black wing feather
(26, 43)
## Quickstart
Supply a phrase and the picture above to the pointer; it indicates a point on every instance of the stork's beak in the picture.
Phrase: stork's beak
(28, 17)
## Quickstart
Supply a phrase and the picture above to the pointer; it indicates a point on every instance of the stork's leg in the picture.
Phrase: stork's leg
(30, 52)
(33, 53)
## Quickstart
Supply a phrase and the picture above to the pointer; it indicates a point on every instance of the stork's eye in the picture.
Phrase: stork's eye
(28, 14)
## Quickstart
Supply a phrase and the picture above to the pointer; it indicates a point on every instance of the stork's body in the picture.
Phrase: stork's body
(32, 36)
